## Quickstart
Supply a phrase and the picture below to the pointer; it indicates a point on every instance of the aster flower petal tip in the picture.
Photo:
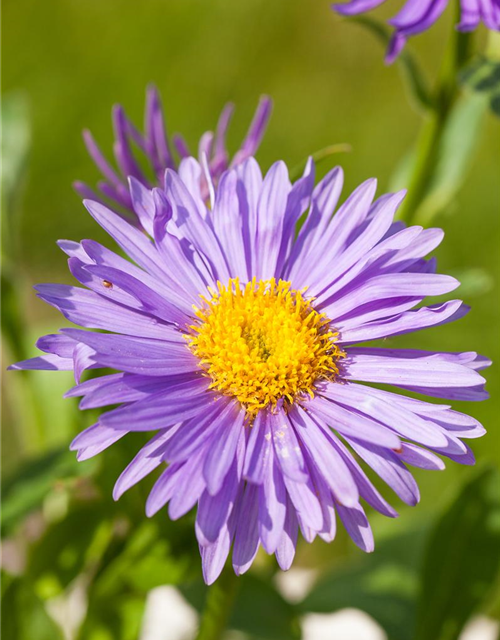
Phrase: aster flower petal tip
(162, 152)
(239, 338)
(417, 16)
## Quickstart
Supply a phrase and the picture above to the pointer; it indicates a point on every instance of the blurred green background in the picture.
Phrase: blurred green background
(65, 62)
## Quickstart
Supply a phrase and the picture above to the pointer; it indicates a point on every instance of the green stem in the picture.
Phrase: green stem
(427, 154)
(26, 401)
(218, 605)
(493, 46)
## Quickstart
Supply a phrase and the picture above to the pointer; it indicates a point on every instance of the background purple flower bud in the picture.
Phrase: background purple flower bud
(164, 152)
(417, 16)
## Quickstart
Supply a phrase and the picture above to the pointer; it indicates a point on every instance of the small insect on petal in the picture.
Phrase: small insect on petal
(107, 284)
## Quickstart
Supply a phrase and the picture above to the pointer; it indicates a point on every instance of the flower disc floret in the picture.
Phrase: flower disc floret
(263, 342)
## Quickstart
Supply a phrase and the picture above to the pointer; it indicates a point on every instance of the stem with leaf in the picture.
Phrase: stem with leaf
(427, 152)
(218, 606)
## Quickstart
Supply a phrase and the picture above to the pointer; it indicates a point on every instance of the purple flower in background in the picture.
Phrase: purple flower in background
(418, 15)
(236, 340)
(162, 153)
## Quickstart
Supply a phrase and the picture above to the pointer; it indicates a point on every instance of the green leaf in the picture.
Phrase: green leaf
(276, 619)
(455, 156)
(28, 488)
(118, 618)
(24, 615)
(318, 157)
(482, 75)
(495, 104)
(384, 585)
(146, 561)
(15, 143)
(461, 560)
(259, 611)
(415, 81)
(14, 147)
(61, 553)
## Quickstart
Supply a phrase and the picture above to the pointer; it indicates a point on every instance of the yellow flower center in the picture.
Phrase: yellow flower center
(263, 343)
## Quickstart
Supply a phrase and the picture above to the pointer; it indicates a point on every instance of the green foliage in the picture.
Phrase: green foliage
(454, 156)
(482, 75)
(384, 585)
(462, 560)
(425, 583)
(27, 489)
(61, 554)
(259, 611)
(16, 139)
(276, 619)
(24, 616)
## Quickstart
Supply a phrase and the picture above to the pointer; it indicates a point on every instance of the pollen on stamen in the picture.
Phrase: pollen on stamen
(263, 342)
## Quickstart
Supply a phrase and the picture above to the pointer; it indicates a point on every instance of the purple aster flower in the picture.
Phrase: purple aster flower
(161, 153)
(237, 339)
(418, 15)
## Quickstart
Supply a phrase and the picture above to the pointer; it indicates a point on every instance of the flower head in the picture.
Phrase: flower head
(417, 16)
(162, 153)
(237, 338)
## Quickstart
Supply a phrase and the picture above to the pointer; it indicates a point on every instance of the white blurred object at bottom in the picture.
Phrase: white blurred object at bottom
(168, 616)
(348, 624)
(481, 628)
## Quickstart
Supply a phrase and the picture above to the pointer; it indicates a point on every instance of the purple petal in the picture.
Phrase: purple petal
(214, 555)
(373, 403)
(270, 215)
(246, 541)
(388, 466)
(395, 285)
(159, 411)
(357, 526)
(142, 203)
(228, 225)
(349, 423)
(122, 387)
(191, 224)
(91, 310)
(259, 448)
(418, 457)
(214, 510)
(189, 485)
(196, 432)
(408, 368)
(330, 464)
(304, 499)
(147, 299)
(131, 240)
(221, 453)
(146, 461)
(94, 440)
(272, 507)
(286, 446)
(48, 361)
(406, 322)
(285, 551)
(366, 489)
